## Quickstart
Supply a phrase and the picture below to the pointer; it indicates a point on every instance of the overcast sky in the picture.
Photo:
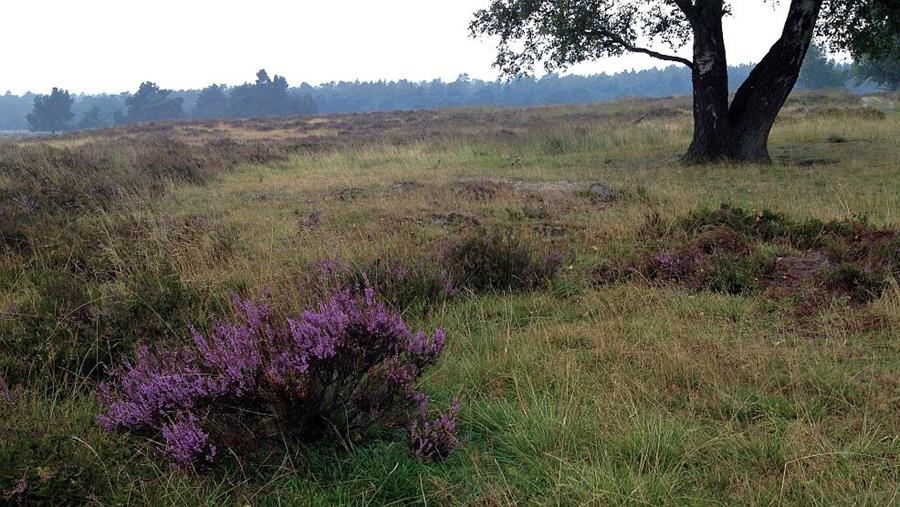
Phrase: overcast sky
(113, 45)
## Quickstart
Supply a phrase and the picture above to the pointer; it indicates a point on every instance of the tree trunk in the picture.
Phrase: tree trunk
(741, 133)
(710, 82)
(759, 100)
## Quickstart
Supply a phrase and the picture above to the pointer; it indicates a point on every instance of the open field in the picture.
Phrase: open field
(586, 389)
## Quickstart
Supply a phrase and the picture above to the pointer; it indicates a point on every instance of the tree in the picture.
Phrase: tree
(92, 119)
(151, 103)
(265, 97)
(559, 33)
(818, 72)
(212, 102)
(884, 72)
(52, 112)
(882, 68)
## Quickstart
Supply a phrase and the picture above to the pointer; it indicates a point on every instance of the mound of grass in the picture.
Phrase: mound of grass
(476, 261)
(481, 261)
(736, 251)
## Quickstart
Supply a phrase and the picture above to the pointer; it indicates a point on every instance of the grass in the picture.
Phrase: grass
(626, 393)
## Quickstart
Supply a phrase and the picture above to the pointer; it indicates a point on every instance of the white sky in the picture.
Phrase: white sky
(112, 45)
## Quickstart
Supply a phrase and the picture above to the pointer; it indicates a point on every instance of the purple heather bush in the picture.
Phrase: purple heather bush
(340, 369)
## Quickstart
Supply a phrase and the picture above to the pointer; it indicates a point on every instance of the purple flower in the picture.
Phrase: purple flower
(330, 266)
(186, 441)
(156, 384)
(427, 351)
(672, 265)
(433, 439)
(352, 352)
(9, 396)
(11, 311)
(18, 492)
(231, 356)
(449, 285)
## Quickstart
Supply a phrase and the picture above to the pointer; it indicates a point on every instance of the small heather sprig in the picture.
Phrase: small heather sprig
(673, 265)
(12, 310)
(9, 396)
(434, 439)
(427, 351)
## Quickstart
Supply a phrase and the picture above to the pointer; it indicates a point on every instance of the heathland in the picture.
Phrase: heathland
(620, 328)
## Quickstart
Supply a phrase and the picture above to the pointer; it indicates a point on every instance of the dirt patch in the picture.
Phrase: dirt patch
(595, 190)
(600, 193)
(310, 221)
(407, 186)
(810, 162)
(454, 219)
(483, 190)
(551, 229)
(792, 274)
(350, 194)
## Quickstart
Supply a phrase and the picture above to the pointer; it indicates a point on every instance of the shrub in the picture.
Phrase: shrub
(860, 285)
(95, 175)
(732, 274)
(475, 262)
(482, 261)
(340, 370)
(404, 285)
(765, 225)
(736, 251)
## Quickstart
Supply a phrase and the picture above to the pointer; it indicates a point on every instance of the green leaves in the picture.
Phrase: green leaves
(557, 33)
(51, 113)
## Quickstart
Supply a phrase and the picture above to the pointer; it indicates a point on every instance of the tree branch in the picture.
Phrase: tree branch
(657, 55)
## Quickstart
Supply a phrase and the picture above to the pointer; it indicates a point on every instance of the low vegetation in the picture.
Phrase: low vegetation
(735, 251)
(335, 371)
(223, 312)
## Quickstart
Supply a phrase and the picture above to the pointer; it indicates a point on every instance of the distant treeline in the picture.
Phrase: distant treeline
(274, 97)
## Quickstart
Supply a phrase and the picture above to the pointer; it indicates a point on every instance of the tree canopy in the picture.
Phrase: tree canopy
(559, 33)
(51, 113)
(266, 97)
(92, 119)
(212, 102)
(819, 73)
(883, 72)
(151, 103)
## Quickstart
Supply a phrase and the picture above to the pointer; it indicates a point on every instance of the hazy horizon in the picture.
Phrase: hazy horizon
(108, 50)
